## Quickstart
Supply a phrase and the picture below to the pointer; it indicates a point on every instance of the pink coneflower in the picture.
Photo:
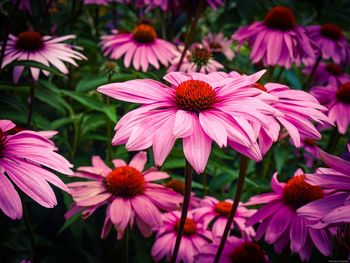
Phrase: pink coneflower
(337, 100)
(218, 43)
(330, 39)
(335, 208)
(214, 213)
(169, 5)
(22, 157)
(236, 250)
(196, 108)
(141, 47)
(179, 187)
(47, 50)
(328, 74)
(277, 40)
(130, 194)
(193, 239)
(199, 59)
(96, 2)
(280, 222)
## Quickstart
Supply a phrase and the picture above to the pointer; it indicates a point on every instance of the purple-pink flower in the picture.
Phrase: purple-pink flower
(129, 193)
(24, 158)
(280, 222)
(179, 187)
(277, 40)
(218, 43)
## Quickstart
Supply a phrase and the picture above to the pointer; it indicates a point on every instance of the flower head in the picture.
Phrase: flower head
(218, 43)
(24, 158)
(179, 187)
(47, 50)
(128, 192)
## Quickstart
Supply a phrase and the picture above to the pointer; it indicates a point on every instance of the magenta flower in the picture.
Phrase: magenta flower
(218, 43)
(328, 74)
(214, 213)
(277, 40)
(96, 2)
(196, 108)
(236, 250)
(337, 100)
(47, 50)
(194, 238)
(22, 157)
(334, 209)
(130, 194)
(169, 5)
(141, 47)
(331, 41)
(280, 222)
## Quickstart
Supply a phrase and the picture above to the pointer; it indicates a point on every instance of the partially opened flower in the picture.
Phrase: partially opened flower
(218, 43)
(47, 50)
(25, 158)
(179, 187)
(337, 100)
(330, 39)
(129, 193)
(196, 108)
(141, 47)
(334, 209)
(194, 238)
(277, 40)
(214, 213)
(236, 250)
(280, 222)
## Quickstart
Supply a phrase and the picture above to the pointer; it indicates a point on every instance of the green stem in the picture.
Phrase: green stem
(30, 105)
(280, 73)
(126, 246)
(30, 231)
(243, 166)
(185, 206)
(334, 139)
(312, 74)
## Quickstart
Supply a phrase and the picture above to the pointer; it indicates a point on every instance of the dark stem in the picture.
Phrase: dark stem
(243, 165)
(30, 231)
(126, 246)
(334, 139)
(185, 206)
(190, 33)
(285, 255)
(8, 30)
(312, 74)
(30, 105)
(97, 22)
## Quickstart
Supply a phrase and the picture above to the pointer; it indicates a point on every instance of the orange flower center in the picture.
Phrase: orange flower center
(189, 229)
(259, 86)
(281, 18)
(176, 185)
(343, 93)
(194, 95)
(334, 69)
(298, 192)
(144, 34)
(30, 41)
(125, 181)
(332, 31)
(200, 56)
(223, 208)
(248, 252)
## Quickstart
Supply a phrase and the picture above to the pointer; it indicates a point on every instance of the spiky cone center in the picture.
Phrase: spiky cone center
(125, 182)
(144, 34)
(297, 192)
(190, 227)
(334, 69)
(30, 41)
(343, 93)
(194, 96)
(331, 31)
(259, 86)
(223, 208)
(248, 252)
(280, 17)
(176, 185)
(200, 56)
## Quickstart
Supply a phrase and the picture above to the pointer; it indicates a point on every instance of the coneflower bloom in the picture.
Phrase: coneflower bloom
(334, 209)
(236, 250)
(199, 59)
(196, 108)
(47, 50)
(337, 100)
(328, 74)
(214, 213)
(330, 39)
(24, 158)
(96, 2)
(218, 43)
(277, 40)
(129, 193)
(179, 187)
(280, 222)
(167, 5)
(141, 47)
(194, 237)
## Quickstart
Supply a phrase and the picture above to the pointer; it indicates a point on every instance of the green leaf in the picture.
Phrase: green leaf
(111, 112)
(69, 222)
(87, 101)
